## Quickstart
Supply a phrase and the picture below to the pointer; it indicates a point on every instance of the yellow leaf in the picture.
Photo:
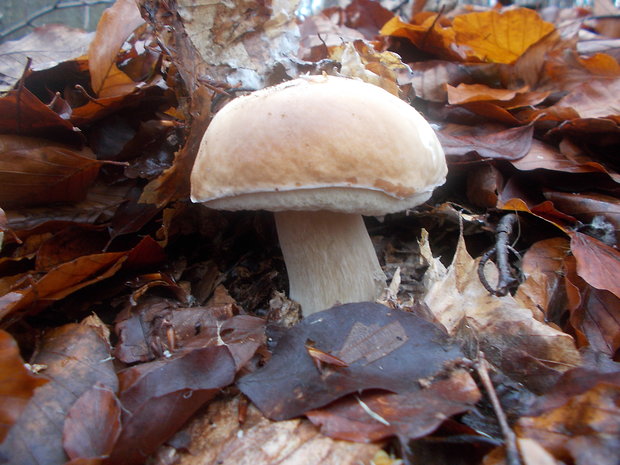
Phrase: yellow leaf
(499, 37)
(429, 36)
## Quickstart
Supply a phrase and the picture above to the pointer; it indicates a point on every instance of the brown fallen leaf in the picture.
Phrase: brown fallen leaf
(221, 436)
(158, 397)
(22, 113)
(374, 341)
(488, 141)
(584, 430)
(377, 415)
(46, 46)
(93, 424)
(75, 358)
(17, 383)
(35, 295)
(597, 263)
(115, 25)
(593, 313)
(40, 172)
(543, 288)
(522, 347)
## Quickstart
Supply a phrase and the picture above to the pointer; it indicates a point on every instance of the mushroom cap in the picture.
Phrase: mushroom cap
(318, 143)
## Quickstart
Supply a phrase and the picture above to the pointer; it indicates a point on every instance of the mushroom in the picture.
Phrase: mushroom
(320, 152)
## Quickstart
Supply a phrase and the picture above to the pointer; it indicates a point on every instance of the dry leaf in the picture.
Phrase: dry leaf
(524, 348)
(18, 383)
(115, 25)
(499, 37)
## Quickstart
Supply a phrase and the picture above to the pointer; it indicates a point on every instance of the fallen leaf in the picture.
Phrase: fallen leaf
(46, 46)
(523, 348)
(488, 141)
(585, 430)
(39, 172)
(600, 212)
(71, 276)
(115, 25)
(593, 313)
(373, 340)
(24, 114)
(597, 263)
(593, 99)
(17, 382)
(75, 358)
(375, 416)
(93, 424)
(257, 440)
(543, 288)
(158, 397)
(430, 36)
(499, 37)
(466, 93)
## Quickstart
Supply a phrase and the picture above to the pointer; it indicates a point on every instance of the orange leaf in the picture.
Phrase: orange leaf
(17, 384)
(115, 25)
(601, 64)
(499, 37)
(429, 36)
(36, 171)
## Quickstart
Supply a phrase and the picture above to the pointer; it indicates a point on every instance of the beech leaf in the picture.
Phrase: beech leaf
(500, 37)
(17, 383)
(376, 343)
(597, 263)
(75, 359)
(115, 25)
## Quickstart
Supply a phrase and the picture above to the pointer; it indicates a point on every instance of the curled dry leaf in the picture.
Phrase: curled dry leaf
(522, 347)
(16, 381)
(46, 46)
(115, 25)
(76, 359)
(68, 277)
(22, 113)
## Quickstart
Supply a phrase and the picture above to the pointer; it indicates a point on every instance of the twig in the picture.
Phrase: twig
(58, 5)
(500, 251)
(510, 439)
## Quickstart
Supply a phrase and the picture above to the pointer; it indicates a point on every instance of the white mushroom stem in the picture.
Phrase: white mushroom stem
(329, 259)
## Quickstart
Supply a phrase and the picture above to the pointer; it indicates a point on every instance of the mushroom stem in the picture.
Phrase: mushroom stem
(329, 259)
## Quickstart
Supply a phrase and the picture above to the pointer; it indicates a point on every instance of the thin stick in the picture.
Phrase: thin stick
(510, 439)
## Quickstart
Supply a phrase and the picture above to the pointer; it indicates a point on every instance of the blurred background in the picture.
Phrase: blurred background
(19, 17)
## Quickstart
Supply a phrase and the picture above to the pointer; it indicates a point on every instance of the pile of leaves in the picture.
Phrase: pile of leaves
(141, 315)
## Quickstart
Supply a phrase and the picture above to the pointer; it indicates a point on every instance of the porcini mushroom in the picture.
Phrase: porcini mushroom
(320, 152)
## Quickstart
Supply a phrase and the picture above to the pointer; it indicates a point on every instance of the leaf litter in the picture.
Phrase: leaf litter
(192, 303)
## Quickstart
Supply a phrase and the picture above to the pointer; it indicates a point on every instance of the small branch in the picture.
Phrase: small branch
(58, 5)
(510, 439)
(500, 251)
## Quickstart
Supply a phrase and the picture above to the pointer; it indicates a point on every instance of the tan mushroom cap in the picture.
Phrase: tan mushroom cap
(318, 143)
